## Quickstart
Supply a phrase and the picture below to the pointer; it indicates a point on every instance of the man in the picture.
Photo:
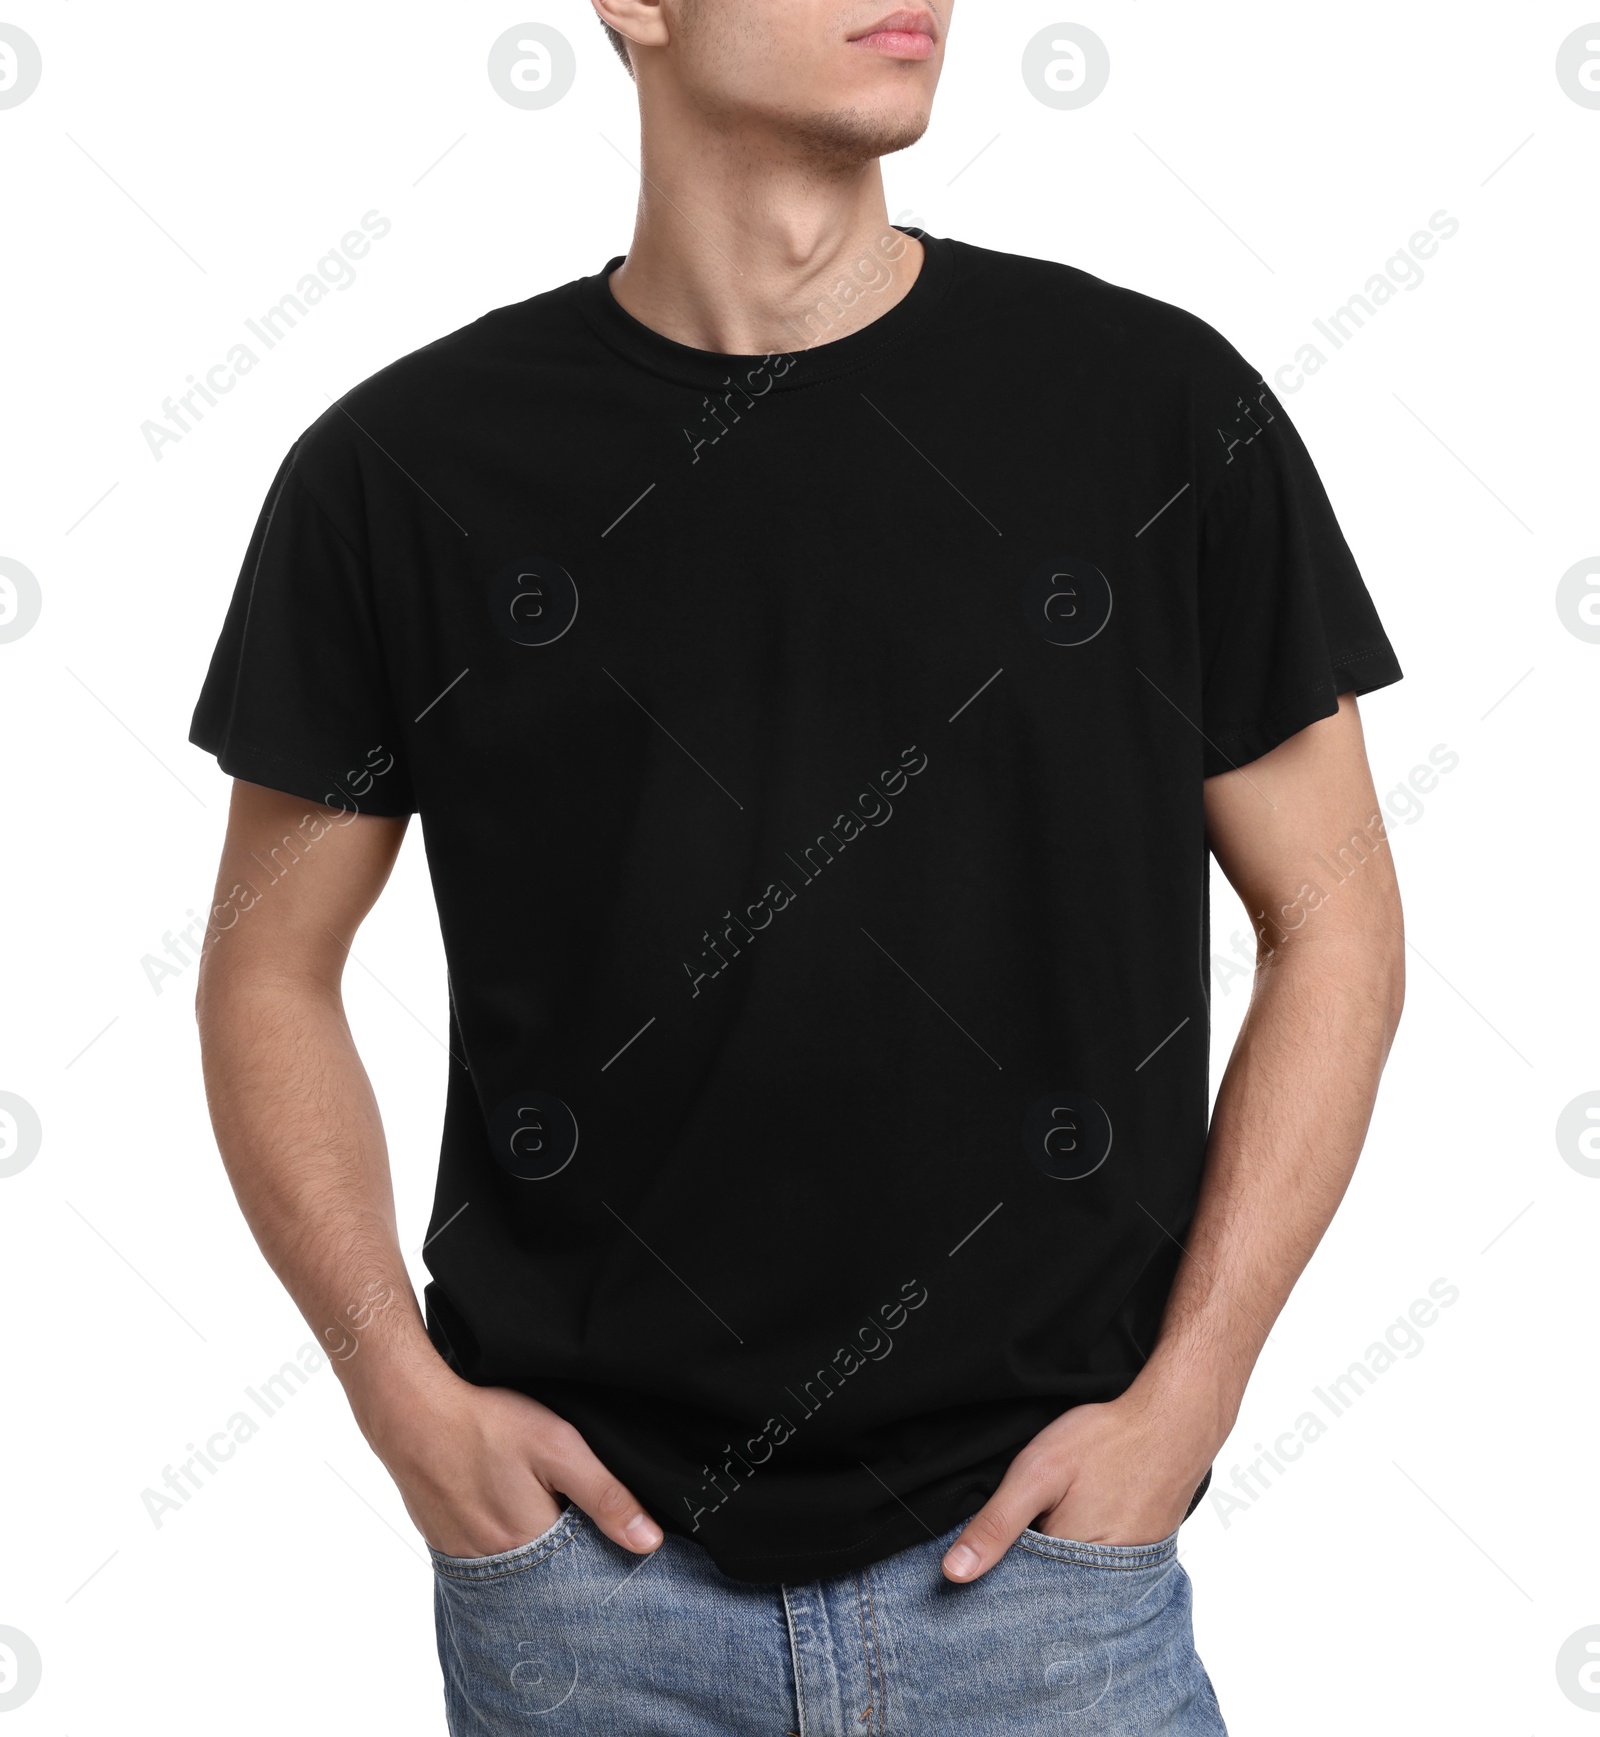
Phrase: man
(821, 656)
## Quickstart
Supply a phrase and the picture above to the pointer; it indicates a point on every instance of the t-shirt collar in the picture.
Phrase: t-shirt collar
(804, 364)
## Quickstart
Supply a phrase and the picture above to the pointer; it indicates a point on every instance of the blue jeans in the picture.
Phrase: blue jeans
(573, 1634)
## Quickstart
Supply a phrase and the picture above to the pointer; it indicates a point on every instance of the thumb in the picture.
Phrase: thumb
(574, 1469)
(996, 1526)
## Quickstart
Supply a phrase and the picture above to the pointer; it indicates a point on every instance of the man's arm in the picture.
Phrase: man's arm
(1289, 1122)
(300, 1134)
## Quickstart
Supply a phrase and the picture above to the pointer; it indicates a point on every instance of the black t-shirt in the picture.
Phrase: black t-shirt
(809, 752)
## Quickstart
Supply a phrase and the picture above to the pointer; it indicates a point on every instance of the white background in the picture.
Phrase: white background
(179, 169)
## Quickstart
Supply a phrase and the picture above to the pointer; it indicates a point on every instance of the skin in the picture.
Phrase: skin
(762, 191)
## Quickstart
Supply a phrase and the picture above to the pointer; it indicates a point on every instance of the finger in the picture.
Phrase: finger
(996, 1526)
(571, 1466)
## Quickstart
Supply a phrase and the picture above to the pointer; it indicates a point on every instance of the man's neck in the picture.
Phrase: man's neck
(743, 249)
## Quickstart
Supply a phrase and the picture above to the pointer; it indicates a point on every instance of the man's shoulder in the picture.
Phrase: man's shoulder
(457, 378)
(1056, 304)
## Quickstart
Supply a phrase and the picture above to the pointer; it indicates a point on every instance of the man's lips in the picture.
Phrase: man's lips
(904, 35)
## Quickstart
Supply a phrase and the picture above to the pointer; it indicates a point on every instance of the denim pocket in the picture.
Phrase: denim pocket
(515, 1561)
(1113, 1556)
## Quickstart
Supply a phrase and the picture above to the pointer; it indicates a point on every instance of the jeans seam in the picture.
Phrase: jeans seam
(799, 1674)
(877, 1653)
(866, 1656)
(1088, 1557)
(518, 1563)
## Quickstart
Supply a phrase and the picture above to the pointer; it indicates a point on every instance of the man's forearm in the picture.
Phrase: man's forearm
(300, 1134)
(1289, 1122)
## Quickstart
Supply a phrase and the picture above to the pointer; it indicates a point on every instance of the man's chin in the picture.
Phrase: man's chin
(845, 136)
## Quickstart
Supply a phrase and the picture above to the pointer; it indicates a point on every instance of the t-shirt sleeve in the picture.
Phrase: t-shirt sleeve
(1286, 621)
(297, 695)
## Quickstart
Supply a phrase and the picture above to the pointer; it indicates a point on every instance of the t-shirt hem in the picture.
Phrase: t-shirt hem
(1361, 671)
(901, 1532)
(803, 1567)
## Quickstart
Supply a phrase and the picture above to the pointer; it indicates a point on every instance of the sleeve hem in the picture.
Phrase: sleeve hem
(1361, 671)
(274, 771)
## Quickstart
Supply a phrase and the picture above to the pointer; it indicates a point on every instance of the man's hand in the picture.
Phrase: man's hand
(1119, 1473)
(483, 1469)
